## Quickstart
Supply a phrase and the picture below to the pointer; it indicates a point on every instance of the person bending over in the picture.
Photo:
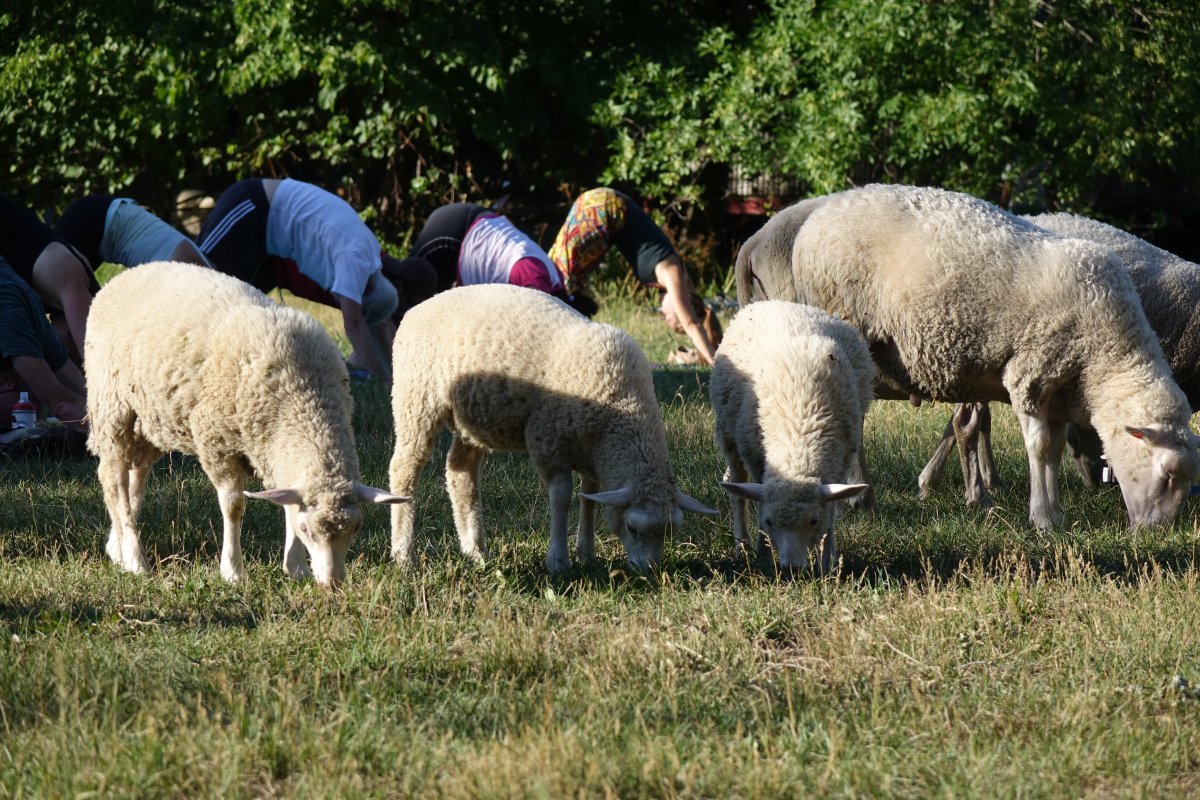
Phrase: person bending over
(470, 244)
(603, 217)
(117, 230)
(32, 357)
(61, 276)
(260, 226)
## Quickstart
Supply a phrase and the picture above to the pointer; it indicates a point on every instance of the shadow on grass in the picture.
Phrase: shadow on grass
(47, 618)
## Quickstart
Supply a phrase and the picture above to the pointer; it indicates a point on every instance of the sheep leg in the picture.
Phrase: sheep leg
(124, 546)
(295, 557)
(233, 510)
(1086, 449)
(1044, 442)
(966, 423)
(932, 474)
(585, 537)
(987, 458)
(462, 481)
(735, 472)
(412, 451)
(558, 559)
(858, 473)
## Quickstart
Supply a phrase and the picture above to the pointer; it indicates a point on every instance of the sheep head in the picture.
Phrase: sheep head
(325, 523)
(642, 523)
(797, 516)
(1155, 467)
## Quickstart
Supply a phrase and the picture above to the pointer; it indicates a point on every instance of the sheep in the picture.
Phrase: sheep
(961, 301)
(790, 389)
(1169, 288)
(508, 369)
(182, 358)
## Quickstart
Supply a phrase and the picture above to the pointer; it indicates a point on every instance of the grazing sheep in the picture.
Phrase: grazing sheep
(1169, 288)
(182, 358)
(507, 369)
(790, 388)
(961, 301)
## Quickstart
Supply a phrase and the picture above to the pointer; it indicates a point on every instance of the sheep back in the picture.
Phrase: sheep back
(1169, 288)
(190, 360)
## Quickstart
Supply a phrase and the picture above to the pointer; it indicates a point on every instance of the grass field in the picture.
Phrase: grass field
(955, 653)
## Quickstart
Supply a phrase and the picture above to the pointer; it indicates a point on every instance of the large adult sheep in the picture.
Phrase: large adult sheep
(961, 301)
(182, 358)
(790, 388)
(1169, 288)
(507, 369)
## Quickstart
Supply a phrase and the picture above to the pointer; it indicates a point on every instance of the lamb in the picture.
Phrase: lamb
(790, 389)
(507, 369)
(1169, 287)
(961, 301)
(182, 358)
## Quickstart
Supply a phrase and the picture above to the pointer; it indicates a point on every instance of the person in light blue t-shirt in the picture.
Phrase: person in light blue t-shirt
(260, 225)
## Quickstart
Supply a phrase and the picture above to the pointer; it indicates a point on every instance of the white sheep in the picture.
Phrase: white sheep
(182, 358)
(790, 388)
(961, 301)
(508, 369)
(1169, 288)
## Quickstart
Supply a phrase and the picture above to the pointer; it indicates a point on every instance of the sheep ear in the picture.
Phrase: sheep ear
(692, 504)
(1150, 436)
(280, 497)
(841, 491)
(369, 494)
(613, 497)
(750, 491)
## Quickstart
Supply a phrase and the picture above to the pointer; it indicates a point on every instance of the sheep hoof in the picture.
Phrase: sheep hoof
(233, 573)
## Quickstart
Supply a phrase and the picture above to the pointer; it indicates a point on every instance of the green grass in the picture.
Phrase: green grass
(955, 654)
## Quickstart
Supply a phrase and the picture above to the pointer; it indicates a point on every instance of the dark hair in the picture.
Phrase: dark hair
(415, 280)
(583, 303)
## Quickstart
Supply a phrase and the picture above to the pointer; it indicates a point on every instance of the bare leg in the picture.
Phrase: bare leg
(558, 559)
(295, 558)
(735, 472)
(966, 421)
(1044, 443)
(987, 458)
(858, 473)
(411, 453)
(124, 546)
(462, 482)
(585, 538)
(931, 476)
(233, 510)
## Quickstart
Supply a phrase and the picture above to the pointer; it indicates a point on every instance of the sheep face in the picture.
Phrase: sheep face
(325, 528)
(324, 522)
(797, 517)
(643, 528)
(1154, 468)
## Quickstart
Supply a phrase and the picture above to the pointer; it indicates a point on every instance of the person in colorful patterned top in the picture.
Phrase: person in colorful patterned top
(600, 218)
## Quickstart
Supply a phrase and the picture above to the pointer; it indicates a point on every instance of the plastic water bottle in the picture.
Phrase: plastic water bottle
(24, 413)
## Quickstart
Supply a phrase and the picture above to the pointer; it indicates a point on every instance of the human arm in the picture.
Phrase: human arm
(672, 276)
(361, 338)
(51, 386)
(63, 282)
(383, 333)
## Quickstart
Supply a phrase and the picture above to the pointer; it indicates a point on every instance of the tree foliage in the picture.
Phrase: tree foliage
(1031, 102)
(405, 105)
